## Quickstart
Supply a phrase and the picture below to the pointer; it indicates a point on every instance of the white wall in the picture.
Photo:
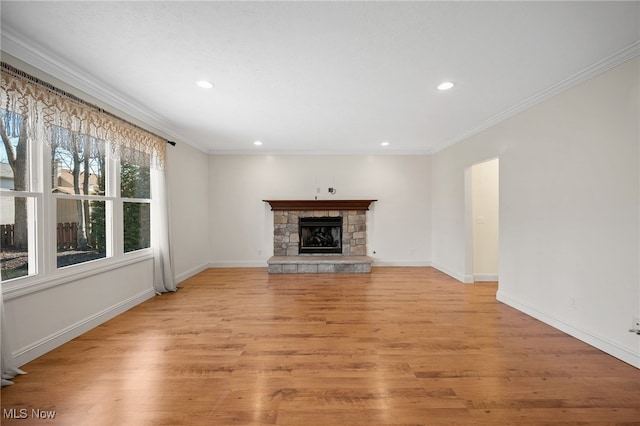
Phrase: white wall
(569, 209)
(188, 175)
(242, 224)
(484, 200)
(52, 312)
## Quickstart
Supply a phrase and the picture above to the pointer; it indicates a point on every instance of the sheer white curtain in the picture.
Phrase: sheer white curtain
(163, 278)
(9, 369)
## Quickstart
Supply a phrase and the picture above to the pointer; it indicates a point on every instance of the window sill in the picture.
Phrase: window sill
(29, 285)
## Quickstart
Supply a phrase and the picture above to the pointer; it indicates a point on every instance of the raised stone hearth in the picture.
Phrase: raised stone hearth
(319, 264)
(287, 258)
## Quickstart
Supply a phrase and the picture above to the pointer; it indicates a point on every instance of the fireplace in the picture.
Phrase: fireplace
(320, 235)
(286, 227)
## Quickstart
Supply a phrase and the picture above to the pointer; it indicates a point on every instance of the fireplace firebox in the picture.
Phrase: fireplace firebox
(320, 235)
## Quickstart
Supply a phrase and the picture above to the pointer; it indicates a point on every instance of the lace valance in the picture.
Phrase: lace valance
(44, 108)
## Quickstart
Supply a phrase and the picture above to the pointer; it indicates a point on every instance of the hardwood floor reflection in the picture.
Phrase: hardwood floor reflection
(398, 346)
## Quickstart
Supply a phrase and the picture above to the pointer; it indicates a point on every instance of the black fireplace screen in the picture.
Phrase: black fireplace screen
(320, 234)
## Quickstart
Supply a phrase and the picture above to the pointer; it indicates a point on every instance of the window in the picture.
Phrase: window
(135, 189)
(75, 181)
(137, 226)
(16, 240)
(78, 186)
(17, 205)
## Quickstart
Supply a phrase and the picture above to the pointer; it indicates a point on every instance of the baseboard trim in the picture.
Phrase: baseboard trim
(485, 277)
(49, 343)
(191, 272)
(465, 279)
(586, 336)
(407, 263)
(239, 264)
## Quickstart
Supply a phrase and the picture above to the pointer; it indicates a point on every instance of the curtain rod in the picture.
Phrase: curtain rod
(54, 89)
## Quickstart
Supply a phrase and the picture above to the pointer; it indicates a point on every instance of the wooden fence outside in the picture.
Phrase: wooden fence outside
(6, 236)
(66, 234)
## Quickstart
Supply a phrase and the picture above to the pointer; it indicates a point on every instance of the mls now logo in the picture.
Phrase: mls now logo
(23, 413)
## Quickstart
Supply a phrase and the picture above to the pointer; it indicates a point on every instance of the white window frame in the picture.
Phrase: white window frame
(44, 238)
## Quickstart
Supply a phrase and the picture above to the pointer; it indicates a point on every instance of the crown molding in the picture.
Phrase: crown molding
(275, 153)
(591, 71)
(16, 45)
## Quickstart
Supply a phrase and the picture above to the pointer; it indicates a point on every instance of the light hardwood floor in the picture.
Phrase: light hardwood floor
(398, 346)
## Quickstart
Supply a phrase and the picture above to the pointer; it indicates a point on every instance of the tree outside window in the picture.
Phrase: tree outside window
(135, 189)
(78, 181)
(15, 214)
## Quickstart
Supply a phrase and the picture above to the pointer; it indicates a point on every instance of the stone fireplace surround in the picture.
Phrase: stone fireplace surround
(287, 259)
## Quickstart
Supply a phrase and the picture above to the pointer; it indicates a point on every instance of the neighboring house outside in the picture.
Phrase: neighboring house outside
(6, 176)
(66, 210)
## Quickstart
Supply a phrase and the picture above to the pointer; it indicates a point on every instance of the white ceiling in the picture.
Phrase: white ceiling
(318, 77)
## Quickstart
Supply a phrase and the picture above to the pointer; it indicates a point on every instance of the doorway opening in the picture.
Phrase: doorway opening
(482, 218)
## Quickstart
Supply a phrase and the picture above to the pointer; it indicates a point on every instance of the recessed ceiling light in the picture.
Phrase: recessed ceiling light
(257, 143)
(385, 143)
(204, 84)
(445, 85)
